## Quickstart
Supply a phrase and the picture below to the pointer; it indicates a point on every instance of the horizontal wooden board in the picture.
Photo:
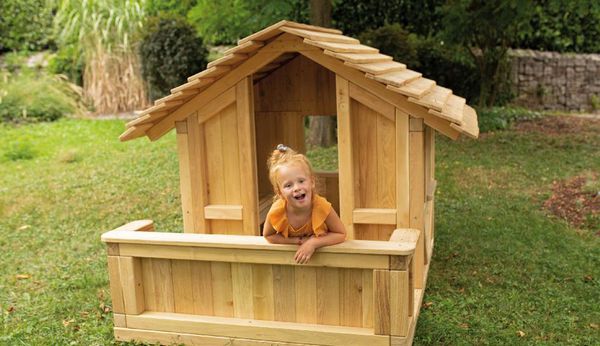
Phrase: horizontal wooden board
(228, 59)
(435, 99)
(469, 127)
(319, 259)
(223, 212)
(248, 242)
(246, 47)
(416, 88)
(397, 78)
(374, 216)
(452, 109)
(378, 67)
(342, 47)
(267, 330)
(319, 36)
(354, 58)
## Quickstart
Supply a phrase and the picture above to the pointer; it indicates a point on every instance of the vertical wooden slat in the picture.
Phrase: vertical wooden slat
(417, 200)
(262, 288)
(411, 288)
(163, 285)
(345, 155)
(221, 289)
(231, 165)
(132, 284)
(192, 161)
(399, 321)
(367, 298)
(183, 295)
(148, 280)
(202, 287)
(328, 297)
(306, 294)
(351, 297)
(247, 156)
(215, 169)
(284, 291)
(381, 302)
(116, 292)
(386, 171)
(402, 170)
(241, 280)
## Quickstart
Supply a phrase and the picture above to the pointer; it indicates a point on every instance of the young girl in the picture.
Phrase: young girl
(299, 215)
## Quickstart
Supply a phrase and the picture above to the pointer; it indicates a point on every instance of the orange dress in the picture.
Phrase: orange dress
(277, 217)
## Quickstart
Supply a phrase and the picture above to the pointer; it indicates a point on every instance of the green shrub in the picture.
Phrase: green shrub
(500, 118)
(19, 150)
(25, 24)
(68, 61)
(393, 40)
(28, 97)
(170, 53)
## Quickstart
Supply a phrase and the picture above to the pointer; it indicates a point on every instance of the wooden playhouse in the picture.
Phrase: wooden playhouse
(219, 282)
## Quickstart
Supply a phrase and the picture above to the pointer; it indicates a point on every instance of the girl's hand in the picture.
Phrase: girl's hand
(305, 252)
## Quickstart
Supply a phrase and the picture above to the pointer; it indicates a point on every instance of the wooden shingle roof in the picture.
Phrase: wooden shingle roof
(422, 97)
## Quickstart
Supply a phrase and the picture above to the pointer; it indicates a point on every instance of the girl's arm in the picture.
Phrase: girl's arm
(335, 235)
(277, 238)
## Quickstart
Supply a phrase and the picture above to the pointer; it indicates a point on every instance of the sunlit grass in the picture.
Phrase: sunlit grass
(501, 265)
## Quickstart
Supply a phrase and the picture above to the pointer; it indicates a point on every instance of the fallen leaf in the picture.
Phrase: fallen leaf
(461, 290)
(464, 325)
(520, 333)
(427, 305)
(24, 227)
(11, 309)
(588, 278)
(22, 276)
(67, 322)
(84, 313)
(594, 325)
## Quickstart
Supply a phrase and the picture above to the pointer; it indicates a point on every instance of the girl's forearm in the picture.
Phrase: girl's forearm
(277, 238)
(330, 238)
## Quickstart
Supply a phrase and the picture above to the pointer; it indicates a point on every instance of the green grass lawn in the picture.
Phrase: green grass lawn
(501, 266)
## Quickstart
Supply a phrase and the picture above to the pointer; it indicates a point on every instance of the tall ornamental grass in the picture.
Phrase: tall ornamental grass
(107, 32)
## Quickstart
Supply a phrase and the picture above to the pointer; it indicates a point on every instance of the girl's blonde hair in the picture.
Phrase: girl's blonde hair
(284, 156)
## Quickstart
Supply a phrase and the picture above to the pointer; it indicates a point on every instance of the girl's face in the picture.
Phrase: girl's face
(295, 185)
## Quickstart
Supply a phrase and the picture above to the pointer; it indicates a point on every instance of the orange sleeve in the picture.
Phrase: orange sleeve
(321, 209)
(278, 218)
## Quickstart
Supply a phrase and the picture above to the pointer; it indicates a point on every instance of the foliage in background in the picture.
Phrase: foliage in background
(170, 52)
(25, 24)
(178, 8)
(32, 97)
(487, 29)
(449, 65)
(500, 118)
(107, 32)
(564, 26)
(226, 21)
(69, 62)
(356, 16)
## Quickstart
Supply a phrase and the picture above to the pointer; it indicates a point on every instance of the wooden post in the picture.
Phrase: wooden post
(345, 157)
(402, 170)
(192, 174)
(247, 156)
(381, 305)
(417, 195)
(131, 280)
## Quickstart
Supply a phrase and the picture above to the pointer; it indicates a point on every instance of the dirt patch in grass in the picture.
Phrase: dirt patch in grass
(577, 200)
(560, 125)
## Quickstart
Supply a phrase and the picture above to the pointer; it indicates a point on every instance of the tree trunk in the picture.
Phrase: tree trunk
(321, 129)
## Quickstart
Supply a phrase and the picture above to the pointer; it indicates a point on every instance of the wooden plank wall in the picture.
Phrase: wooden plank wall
(322, 295)
(374, 165)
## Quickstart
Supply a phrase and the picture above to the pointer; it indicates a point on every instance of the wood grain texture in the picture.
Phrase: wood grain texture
(381, 302)
(345, 155)
(130, 269)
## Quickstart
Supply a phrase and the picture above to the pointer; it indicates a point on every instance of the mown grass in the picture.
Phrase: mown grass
(501, 266)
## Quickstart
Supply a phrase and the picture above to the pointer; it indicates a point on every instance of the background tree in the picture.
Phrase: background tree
(487, 29)
(321, 128)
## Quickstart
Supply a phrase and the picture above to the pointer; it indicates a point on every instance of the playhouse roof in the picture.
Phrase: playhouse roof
(437, 105)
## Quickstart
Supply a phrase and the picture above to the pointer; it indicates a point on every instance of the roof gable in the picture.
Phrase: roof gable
(266, 50)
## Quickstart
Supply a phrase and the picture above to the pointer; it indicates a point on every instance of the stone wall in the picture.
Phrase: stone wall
(555, 81)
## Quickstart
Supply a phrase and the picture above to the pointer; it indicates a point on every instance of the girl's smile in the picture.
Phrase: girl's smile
(295, 186)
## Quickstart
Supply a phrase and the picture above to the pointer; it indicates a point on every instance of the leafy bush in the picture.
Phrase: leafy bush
(500, 118)
(30, 98)
(393, 40)
(25, 24)
(224, 22)
(68, 61)
(170, 53)
(356, 16)
(448, 65)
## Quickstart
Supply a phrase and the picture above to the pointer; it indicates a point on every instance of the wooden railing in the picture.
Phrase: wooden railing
(213, 289)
